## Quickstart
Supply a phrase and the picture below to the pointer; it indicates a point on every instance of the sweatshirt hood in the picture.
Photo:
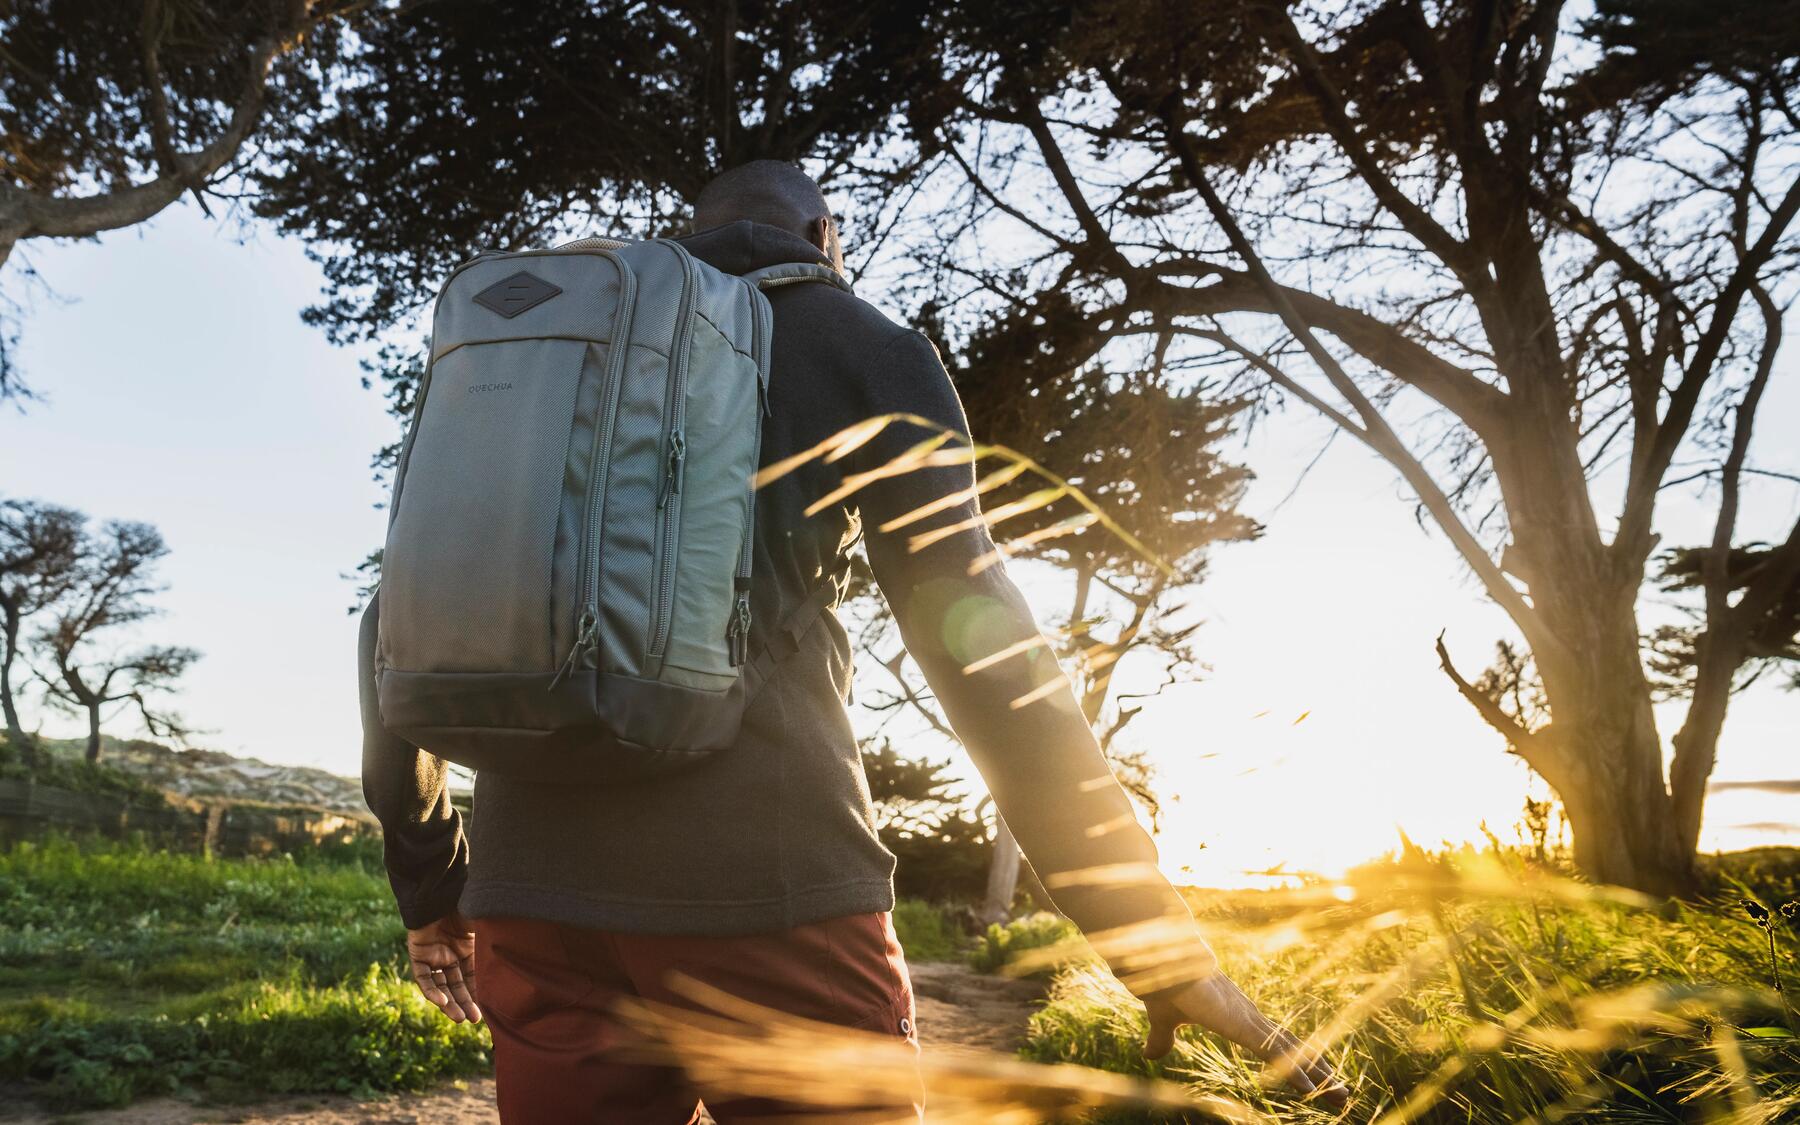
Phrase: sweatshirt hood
(744, 246)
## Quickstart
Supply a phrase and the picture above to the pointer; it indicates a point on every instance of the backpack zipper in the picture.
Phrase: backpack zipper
(737, 629)
(587, 625)
(669, 501)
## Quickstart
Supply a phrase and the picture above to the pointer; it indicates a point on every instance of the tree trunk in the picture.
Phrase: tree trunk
(1697, 742)
(93, 738)
(15, 731)
(1620, 814)
(1003, 875)
(1603, 754)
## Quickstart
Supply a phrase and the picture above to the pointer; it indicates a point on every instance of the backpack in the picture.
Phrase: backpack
(565, 589)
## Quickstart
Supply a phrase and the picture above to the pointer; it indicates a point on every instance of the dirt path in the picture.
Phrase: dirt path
(958, 1010)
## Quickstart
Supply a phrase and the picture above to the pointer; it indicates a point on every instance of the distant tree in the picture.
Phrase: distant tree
(110, 112)
(1537, 258)
(464, 126)
(940, 845)
(1147, 455)
(40, 546)
(113, 582)
(909, 793)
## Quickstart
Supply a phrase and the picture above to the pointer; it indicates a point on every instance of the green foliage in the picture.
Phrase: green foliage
(125, 972)
(927, 932)
(362, 1036)
(941, 849)
(1481, 992)
(1002, 944)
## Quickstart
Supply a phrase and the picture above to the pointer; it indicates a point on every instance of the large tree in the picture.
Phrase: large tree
(457, 127)
(114, 580)
(110, 112)
(40, 548)
(1536, 259)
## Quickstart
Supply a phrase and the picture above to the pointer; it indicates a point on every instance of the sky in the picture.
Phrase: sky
(182, 389)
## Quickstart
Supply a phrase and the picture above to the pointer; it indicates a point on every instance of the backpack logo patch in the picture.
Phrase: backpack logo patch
(515, 294)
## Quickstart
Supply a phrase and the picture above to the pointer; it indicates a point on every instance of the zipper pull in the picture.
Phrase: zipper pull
(586, 630)
(672, 475)
(737, 630)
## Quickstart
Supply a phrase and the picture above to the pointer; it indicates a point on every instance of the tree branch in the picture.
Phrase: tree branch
(1413, 218)
(1634, 521)
(1538, 751)
(1381, 436)
(27, 214)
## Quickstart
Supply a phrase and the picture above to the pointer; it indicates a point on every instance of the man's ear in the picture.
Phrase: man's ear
(818, 232)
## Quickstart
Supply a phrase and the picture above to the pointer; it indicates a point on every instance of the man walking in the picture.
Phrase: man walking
(759, 872)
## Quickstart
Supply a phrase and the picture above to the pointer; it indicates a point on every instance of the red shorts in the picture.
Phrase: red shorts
(562, 1058)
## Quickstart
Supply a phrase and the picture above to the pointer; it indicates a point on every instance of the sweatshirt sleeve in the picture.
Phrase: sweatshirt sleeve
(1016, 716)
(423, 847)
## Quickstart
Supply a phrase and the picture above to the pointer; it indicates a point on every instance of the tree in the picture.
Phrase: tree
(39, 549)
(466, 126)
(940, 846)
(1146, 454)
(109, 113)
(1537, 261)
(1771, 643)
(113, 582)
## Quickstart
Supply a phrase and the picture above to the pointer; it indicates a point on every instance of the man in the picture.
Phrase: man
(759, 873)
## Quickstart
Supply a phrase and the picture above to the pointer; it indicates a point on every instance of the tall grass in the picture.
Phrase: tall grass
(1466, 988)
(1462, 988)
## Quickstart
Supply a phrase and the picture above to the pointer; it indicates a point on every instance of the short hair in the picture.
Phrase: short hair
(775, 192)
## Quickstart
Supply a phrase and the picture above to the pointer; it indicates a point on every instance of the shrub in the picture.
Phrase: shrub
(1001, 945)
(126, 972)
(927, 932)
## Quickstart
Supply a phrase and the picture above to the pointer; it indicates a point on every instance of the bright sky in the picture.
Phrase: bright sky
(183, 390)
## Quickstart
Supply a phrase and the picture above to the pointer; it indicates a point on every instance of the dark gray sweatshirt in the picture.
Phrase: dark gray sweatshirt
(778, 831)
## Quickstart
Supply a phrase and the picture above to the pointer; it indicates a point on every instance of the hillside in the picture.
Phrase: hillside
(213, 775)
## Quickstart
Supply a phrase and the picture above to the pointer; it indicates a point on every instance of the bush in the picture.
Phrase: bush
(1001, 945)
(927, 932)
(126, 972)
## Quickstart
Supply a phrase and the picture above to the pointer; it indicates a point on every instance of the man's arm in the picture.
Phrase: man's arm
(1027, 735)
(423, 847)
(1039, 758)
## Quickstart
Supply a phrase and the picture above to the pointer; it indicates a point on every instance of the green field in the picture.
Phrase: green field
(1464, 988)
(125, 973)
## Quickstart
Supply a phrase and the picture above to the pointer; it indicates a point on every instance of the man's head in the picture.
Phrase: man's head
(775, 193)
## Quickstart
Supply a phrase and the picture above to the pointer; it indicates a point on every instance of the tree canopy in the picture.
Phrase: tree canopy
(1537, 259)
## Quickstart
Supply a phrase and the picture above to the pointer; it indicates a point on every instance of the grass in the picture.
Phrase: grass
(928, 932)
(126, 972)
(1470, 988)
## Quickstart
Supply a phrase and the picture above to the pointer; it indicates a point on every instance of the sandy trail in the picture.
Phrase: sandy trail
(959, 1011)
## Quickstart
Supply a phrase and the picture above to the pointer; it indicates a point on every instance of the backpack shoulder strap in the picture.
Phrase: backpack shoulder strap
(794, 627)
(791, 273)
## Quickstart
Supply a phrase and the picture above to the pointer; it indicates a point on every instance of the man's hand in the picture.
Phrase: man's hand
(1218, 1005)
(443, 964)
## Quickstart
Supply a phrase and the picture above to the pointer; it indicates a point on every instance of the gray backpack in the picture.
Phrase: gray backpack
(565, 589)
